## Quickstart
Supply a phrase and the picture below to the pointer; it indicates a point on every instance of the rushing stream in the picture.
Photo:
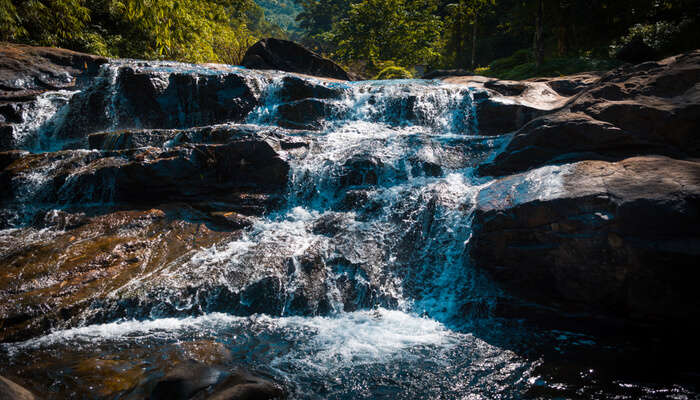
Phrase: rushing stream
(364, 286)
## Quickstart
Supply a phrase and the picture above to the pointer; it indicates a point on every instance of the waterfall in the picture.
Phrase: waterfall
(357, 284)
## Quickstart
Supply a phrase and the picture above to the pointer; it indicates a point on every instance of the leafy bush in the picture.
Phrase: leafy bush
(520, 57)
(663, 36)
(394, 72)
(508, 68)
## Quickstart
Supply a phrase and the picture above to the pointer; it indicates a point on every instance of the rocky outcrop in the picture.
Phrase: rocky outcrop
(194, 173)
(156, 98)
(650, 108)
(284, 55)
(505, 106)
(26, 71)
(616, 238)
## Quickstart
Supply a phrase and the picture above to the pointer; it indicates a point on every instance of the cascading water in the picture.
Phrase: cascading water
(358, 286)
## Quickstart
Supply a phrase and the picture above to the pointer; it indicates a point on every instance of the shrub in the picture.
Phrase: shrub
(394, 72)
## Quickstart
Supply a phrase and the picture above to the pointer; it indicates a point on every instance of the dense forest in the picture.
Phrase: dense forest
(375, 38)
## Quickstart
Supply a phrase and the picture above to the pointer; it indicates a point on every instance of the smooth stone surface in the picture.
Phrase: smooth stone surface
(618, 238)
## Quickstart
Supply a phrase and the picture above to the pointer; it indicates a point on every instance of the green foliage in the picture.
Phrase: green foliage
(282, 13)
(404, 31)
(577, 34)
(184, 30)
(394, 72)
(662, 36)
(521, 66)
(42, 22)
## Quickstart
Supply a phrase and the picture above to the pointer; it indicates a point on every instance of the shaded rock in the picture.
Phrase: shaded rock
(295, 88)
(497, 117)
(185, 380)
(636, 51)
(304, 114)
(154, 98)
(361, 170)
(506, 88)
(12, 391)
(244, 386)
(288, 56)
(26, 71)
(7, 140)
(616, 238)
(195, 173)
(651, 108)
(8, 157)
(572, 84)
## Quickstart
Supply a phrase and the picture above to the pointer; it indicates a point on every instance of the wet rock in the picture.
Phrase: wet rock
(232, 219)
(295, 88)
(288, 56)
(63, 273)
(28, 70)
(127, 139)
(304, 114)
(8, 157)
(330, 224)
(12, 391)
(616, 238)
(650, 108)
(361, 170)
(185, 380)
(229, 172)
(153, 98)
(62, 220)
(242, 385)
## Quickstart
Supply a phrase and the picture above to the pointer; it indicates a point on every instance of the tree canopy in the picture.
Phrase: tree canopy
(186, 30)
(513, 38)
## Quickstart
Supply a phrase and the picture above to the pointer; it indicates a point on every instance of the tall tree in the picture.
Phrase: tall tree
(538, 42)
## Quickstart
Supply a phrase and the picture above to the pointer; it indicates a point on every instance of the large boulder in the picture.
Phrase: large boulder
(288, 56)
(650, 108)
(617, 238)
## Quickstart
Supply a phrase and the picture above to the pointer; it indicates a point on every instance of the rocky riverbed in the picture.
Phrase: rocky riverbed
(219, 232)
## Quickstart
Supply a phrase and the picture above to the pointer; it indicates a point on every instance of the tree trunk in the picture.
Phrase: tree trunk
(538, 45)
(563, 28)
(459, 38)
(474, 43)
